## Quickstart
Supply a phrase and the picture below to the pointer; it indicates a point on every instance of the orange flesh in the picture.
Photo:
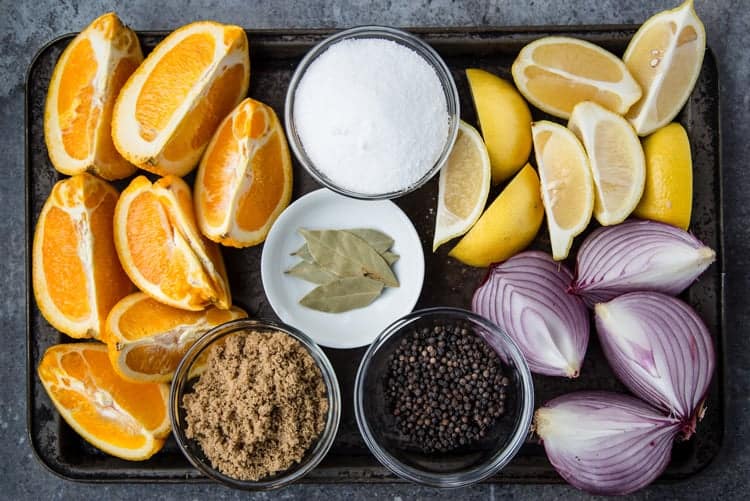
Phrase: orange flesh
(107, 25)
(220, 178)
(184, 201)
(156, 359)
(200, 123)
(100, 426)
(148, 230)
(153, 231)
(257, 123)
(549, 87)
(265, 172)
(170, 81)
(578, 60)
(162, 352)
(266, 189)
(89, 368)
(77, 113)
(111, 281)
(107, 154)
(149, 316)
(65, 276)
(144, 402)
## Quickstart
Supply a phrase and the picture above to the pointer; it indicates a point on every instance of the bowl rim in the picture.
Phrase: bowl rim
(462, 478)
(413, 42)
(322, 444)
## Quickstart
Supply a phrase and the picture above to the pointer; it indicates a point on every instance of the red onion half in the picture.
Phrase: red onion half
(660, 349)
(605, 443)
(637, 256)
(526, 296)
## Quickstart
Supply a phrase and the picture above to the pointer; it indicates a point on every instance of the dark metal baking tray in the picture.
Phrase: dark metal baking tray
(274, 55)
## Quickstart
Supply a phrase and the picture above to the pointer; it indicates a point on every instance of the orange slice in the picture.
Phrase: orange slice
(147, 339)
(556, 73)
(245, 178)
(85, 83)
(124, 419)
(170, 107)
(76, 275)
(162, 250)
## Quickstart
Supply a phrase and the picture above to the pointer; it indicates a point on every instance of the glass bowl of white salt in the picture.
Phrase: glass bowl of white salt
(372, 112)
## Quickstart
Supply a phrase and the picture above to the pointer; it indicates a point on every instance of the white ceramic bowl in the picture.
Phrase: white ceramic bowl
(324, 209)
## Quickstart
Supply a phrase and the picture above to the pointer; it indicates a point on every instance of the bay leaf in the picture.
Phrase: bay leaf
(347, 255)
(343, 294)
(311, 272)
(304, 254)
(377, 239)
(390, 257)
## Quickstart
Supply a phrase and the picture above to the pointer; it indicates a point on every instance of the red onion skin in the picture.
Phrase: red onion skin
(637, 256)
(661, 350)
(526, 296)
(605, 443)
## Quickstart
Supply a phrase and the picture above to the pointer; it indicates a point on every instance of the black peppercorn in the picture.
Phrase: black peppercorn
(445, 387)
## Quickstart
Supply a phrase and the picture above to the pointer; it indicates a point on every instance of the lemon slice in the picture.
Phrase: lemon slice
(463, 187)
(505, 120)
(556, 73)
(668, 195)
(567, 188)
(508, 225)
(618, 166)
(665, 56)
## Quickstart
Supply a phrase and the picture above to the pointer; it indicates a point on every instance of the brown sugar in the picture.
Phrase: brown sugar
(259, 405)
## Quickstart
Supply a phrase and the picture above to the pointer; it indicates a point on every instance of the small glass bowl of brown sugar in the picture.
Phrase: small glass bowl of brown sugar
(255, 404)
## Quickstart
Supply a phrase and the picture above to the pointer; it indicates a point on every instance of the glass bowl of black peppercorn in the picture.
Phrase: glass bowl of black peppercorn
(444, 397)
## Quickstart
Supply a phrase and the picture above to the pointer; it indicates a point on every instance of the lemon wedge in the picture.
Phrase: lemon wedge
(463, 186)
(665, 57)
(505, 120)
(566, 184)
(508, 225)
(618, 167)
(668, 194)
(556, 73)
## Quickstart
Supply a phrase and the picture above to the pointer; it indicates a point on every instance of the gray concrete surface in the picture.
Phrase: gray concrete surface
(25, 26)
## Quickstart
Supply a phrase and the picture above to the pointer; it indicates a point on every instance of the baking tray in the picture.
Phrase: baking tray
(274, 55)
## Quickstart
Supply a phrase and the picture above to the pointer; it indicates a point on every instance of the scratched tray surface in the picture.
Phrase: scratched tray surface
(274, 55)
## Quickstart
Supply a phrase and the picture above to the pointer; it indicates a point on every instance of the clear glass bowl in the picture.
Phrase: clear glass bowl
(185, 377)
(406, 39)
(463, 466)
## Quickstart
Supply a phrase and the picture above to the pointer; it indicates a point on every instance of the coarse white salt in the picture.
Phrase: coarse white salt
(371, 115)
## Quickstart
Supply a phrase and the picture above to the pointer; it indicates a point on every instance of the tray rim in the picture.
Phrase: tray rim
(427, 31)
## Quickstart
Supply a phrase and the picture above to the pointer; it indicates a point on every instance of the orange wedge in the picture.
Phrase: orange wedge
(161, 249)
(85, 83)
(76, 275)
(245, 178)
(124, 419)
(556, 73)
(147, 339)
(170, 107)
